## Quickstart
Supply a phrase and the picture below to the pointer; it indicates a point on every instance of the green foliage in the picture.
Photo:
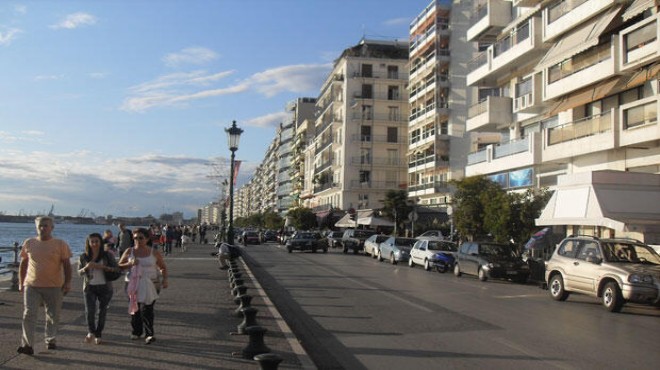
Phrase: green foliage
(396, 207)
(273, 221)
(302, 218)
(483, 209)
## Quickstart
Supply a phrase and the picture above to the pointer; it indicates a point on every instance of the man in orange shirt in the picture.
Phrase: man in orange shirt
(44, 278)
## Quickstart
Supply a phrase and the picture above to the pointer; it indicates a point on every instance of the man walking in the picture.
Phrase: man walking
(44, 278)
(124, 239)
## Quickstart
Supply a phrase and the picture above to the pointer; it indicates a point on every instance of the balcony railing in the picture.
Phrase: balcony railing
(374, 184)
(395, 97)
(391, 75)
(478, 156)
(512, 147)
(378, 161)
(557, 11)
(377, 117)
(480, 60)
(379, 139)
(437, 186)
(428, 159)
(588, 126)
(519, 35)
(579, 62)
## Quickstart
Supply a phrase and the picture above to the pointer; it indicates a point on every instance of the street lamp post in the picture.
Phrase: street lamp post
(233, 135)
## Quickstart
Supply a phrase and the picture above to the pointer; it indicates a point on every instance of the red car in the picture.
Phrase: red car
(250, 237)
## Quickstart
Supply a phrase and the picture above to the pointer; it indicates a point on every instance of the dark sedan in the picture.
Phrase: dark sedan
(307, 241)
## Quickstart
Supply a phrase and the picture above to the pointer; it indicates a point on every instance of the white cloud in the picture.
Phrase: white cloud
(98, 75)
(48, 77)
(397, 21)
(20, 9)
(75, 20)
(9, 35)
(294, 78)
(178, 89)
(194, 55)
(268, 120)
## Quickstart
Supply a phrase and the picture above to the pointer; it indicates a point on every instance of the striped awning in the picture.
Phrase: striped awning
(637, 7)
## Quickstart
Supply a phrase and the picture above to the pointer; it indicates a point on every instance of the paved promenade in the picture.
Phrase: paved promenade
(194, 318)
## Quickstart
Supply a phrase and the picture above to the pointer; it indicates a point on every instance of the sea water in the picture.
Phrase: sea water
(73, 234)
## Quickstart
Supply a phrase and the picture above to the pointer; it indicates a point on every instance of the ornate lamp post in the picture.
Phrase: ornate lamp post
(233, 135)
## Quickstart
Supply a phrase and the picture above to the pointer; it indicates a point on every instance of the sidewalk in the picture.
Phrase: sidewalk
(194, 318)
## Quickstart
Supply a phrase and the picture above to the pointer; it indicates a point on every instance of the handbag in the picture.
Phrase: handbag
(114, 272)
(157, 282)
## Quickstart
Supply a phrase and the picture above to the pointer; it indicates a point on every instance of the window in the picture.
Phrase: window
(640, 115)
(640, 37)
(589, 249)
(367, 70)
(365, 176)
(367, 91)
(392, 135)
(393, 93)
(392, 156)
(393, 113)
(365, 133)
(569, 248)
(393, 72)
(367, 112)
(365, 156)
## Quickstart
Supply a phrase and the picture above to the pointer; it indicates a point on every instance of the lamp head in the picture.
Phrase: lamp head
(233, 135)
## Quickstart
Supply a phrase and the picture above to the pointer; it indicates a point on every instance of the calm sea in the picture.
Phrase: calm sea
(74, 235)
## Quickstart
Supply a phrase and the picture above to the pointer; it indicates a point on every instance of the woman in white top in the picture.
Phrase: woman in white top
(96, 288)
(144, 263)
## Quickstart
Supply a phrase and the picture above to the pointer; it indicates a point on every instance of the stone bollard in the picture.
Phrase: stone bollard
(249, 319)
(235, 275)
(241, 289)
(268, 361)
(236, 283)
(14, 269)
(256, 345)
(244, 301)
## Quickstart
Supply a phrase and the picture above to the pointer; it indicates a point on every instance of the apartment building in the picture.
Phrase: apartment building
(360, 129)
(438, 143)
(299, 110)
(563, 87)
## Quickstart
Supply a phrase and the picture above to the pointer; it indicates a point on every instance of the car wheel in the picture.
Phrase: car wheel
(612, 298)
(556, 287)
(457, 271)
(410, 262)
(325, 250)
(392, 260)
(345, 250)
(313, 250)
(290, 250)
(379, 257)
(482, 274)
(427, 265)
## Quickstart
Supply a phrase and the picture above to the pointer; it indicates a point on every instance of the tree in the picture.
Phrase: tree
(302, 218)
(470, 205)
(525, 208)
(273, 221)
(396, 207)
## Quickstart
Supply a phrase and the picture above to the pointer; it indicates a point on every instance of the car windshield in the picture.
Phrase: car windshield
(630, 253)
(440, 246)
(405, 242)
(381, 238)
(495, 250)
(305, 236)
(363, 233)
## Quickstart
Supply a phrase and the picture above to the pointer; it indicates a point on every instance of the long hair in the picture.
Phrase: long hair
(88, 247)
(146, 233)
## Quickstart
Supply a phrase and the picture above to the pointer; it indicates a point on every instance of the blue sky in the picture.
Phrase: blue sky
(118, 107)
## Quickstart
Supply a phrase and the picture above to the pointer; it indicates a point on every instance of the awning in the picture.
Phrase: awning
(623, 201)
(345, 222)
(522, 18)
(637, 7)
(578, 41)
(605, 88)
(374, 221)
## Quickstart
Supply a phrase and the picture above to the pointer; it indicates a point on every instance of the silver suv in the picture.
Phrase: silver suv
(615, 270)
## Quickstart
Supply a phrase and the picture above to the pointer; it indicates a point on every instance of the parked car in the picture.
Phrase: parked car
(372, 243)
(431, 235)
(307, 241)
(354, 239)
(490, 260)
(269, 236)
(250, 237)
(282, 237)
(438, 254)
(615, 270)
(334, 239)
(396, 249)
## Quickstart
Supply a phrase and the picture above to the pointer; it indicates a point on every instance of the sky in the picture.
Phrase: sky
(119, 107)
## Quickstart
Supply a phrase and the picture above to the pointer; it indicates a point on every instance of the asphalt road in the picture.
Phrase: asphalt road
(352, 312)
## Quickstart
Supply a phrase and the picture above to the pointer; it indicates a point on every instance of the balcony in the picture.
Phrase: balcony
(639, 44)
(566, 15)
(639, 122)
(529, 95)
(584, 69)
(385, 117)
(526, 3)
(432, 161)
(383, 96)
(585, 136)
(490, 114)
(430, 111)
(489, 18)
(379, 139)
(389, 75)
(503, 157)
(429, 188)
(380, 185)
(377, 161)
(519, 48)
(429, 85)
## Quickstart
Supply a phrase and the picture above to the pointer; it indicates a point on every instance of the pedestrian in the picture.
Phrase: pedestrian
(124, 239)
(92, 266)
(44, 278)
(224, 255)
(144, 264)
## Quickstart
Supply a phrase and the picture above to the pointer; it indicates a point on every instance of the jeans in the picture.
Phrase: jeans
(32, 298)
(143, 320)
(102, 294)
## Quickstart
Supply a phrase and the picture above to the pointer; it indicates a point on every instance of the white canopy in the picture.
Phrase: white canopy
(374, 221)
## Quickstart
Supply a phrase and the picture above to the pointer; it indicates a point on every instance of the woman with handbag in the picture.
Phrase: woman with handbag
(98, 269)
(145, 264)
